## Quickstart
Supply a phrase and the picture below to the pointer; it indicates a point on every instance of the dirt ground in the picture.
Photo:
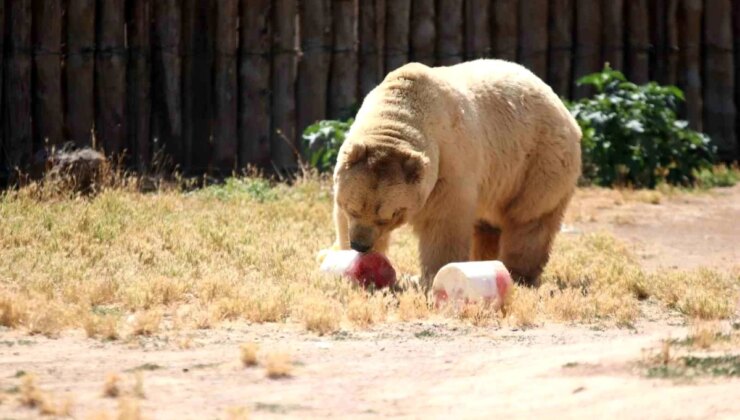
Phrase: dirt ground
(430, 369)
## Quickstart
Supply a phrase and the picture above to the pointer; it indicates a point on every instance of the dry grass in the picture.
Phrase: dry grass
(365, 310)
(278, 365)
(237, 413)
(248, 354)
(246, 251)
(146, 322)
(104, 326)
(112, 386)
(32, 396)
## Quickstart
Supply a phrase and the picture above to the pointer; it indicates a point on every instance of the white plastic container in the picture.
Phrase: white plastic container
(472, 281)
(338, 262)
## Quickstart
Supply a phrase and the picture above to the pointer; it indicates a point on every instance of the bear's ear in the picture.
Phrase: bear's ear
(414, 166)
(354, 154)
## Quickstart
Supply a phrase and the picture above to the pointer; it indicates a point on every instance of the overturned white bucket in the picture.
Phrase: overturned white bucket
(472, 281)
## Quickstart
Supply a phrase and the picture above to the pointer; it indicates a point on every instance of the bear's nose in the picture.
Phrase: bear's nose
(359, 247)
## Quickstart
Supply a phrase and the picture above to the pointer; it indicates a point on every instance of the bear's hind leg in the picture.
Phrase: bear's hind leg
(525, 247)
(485, 242)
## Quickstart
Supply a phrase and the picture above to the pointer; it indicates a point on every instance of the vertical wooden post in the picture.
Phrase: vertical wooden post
(138, 83)
(736, 50)
(588, 43)
(613, 33)
(313, 68)
(477, 29)
(561, 46)
(80, 94)
(167, 97)
(198, 51)
(533, 35)
(505, 29)
(449, 32)
(48, 112)
(672, 30)
(656, 19)
(370, 48)
(3, 163)
(638, 41)
(255, 83)
(423, 32)
(225, 153)
(719, 77)
(18, 113)
(343, 81)
(110, 73)
(381, 27)
(283, 137)
(397, 20)
(689, 61)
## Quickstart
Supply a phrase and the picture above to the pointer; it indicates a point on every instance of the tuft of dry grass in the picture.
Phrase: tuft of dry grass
(32, 396)
(478, 313)
(278, 365)
(364, 310)
(111, 387)
(237, 413)
(248, 354)
(147, 322)
(49, 320)
(412, 305)
(129, 409)
(522, 306)
(104, 326)
(12, 311)
(703, 293)
(321, 315)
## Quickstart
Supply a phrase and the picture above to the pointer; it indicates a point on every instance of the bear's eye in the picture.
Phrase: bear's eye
(398, 213)
(382, 222)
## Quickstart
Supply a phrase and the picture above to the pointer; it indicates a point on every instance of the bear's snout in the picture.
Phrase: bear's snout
(361, 238)
(360, 247)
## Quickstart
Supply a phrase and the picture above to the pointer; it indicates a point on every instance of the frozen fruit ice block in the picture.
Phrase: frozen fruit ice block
(472, 281)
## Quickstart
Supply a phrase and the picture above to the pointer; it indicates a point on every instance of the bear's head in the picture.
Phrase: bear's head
(378, 188)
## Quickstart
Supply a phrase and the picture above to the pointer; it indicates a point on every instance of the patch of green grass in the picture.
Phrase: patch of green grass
(571, 365)
(277, 408)
(342, 335)
(145, 366)
(717, 176)
(691, 340)
(425, 334)
(688, 367)
(20, 373)
(255, 189)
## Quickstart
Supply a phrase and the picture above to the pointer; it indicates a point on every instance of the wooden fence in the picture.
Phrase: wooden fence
(220, 84)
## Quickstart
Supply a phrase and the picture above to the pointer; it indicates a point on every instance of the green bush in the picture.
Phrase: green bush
(631, 135)
(321, 142)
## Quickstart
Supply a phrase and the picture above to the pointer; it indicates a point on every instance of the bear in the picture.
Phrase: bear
(480, 158)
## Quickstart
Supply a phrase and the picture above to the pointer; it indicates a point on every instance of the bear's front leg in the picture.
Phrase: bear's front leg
(341, 228)
(341, 231)
(442, 241)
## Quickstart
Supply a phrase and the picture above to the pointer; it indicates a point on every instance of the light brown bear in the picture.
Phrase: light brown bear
(481, 158)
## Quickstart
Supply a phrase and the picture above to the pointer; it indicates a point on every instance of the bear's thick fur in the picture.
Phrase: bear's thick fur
(481, 158)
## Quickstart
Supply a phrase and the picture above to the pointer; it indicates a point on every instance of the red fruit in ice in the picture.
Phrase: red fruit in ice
(372, 270)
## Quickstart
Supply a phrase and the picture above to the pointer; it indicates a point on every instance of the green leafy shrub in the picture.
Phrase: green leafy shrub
(321, 142)
(631, 135)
